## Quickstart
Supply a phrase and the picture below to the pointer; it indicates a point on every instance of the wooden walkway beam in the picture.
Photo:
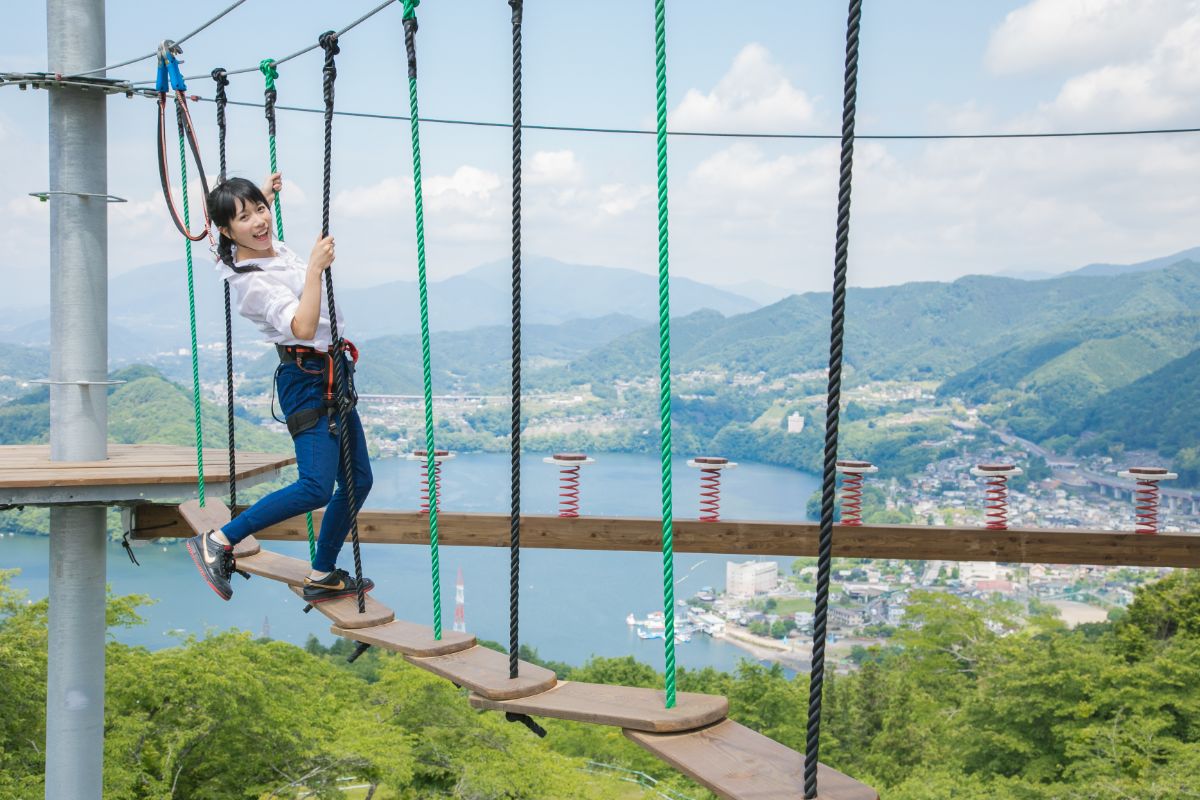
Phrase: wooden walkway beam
(1018, 545)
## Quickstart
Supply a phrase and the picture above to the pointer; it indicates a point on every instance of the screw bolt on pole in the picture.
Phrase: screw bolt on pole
(852, 481)
(996, 502)
(1145, 496)
(710, 484)
(568, 480)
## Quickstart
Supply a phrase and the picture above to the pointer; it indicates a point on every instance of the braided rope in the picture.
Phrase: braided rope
(514, 545)
(222, 79)
(664, 350)
(833, 401)
(329, 44)
(410, 46)
(191, 286)
(270, 73)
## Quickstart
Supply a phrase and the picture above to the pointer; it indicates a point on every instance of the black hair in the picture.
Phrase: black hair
(223, 206)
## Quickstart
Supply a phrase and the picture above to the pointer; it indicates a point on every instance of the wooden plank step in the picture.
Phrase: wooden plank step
(621, 706)
(485, 672)
(740, 764)
(344, 611)
(276, 566)
(408, 638)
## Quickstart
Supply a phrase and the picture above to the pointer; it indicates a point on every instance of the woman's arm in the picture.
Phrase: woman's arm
(308, 314)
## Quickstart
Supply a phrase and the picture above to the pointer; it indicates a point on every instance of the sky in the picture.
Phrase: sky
(740, 209)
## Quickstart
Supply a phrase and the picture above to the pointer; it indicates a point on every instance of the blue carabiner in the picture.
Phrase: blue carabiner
(169, 77)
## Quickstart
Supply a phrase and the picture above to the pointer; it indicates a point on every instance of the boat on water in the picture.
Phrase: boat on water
(681, 636)
(631, 619)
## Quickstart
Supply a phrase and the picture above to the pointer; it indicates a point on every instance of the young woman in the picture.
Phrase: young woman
(284, 297)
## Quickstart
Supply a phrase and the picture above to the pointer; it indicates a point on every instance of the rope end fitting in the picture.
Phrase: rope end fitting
(410, 8)
(517, 6)
(269, 70)
(329, 43)
(221, 77)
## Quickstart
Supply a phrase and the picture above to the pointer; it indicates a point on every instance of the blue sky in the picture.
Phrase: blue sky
(741, 210)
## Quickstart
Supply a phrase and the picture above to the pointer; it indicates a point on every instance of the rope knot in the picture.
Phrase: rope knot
(410, 8)
(269, 71)
(329, 43)
(221, 77)
(516, 10)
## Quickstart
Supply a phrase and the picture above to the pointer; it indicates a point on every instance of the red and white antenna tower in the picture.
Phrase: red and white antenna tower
(460, 605)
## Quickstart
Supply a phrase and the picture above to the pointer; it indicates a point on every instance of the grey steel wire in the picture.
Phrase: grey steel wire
(296, 54)
(231, 7)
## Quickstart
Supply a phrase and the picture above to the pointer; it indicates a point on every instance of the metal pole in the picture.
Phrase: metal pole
(78, 401)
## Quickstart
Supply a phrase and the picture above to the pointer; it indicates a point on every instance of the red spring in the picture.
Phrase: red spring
(568, 491)
(1146, 502)
(437, 484)
(996, 503)
(852, 499)
(710, 495)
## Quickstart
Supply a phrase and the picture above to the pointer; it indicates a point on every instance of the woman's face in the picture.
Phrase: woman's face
(250, 228)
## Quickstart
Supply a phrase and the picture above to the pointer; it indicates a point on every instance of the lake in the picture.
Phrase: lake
(573, 603)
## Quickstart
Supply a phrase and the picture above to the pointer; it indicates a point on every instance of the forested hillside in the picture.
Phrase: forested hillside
(972, 700)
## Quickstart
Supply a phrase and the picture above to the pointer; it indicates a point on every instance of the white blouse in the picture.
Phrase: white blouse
(269, 298)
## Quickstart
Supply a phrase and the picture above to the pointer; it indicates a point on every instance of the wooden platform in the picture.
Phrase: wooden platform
(637, 534)
(619, 706)
(408, 638)
(740, 764)
(131, 473)
(485, 672)
(277, 567)
(345, 614)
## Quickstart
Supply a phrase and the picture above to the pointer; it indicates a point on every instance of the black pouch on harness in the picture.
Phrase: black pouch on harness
(302, 420)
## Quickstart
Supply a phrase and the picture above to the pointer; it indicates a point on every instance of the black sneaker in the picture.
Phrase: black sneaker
(215, 562)
(338, 583)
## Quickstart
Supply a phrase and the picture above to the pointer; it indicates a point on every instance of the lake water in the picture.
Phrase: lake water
(573, 603)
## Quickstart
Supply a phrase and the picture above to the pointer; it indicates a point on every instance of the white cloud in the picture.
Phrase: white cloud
(469, 190)
(754, 95)
(1081, 34)
(552, 167)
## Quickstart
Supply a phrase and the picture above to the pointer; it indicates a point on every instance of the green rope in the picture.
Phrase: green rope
(664, 349)
(187, 244)
(423, 295)
(270, 73)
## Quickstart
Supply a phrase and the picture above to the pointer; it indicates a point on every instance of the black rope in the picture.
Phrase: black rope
(222, 79)
(514, 540)
(833, 400)
(329, 44)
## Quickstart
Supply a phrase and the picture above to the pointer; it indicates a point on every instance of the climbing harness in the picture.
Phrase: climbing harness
(833, 403)
(341, 378)
(336, 397)
(410, 47)
(171, 79)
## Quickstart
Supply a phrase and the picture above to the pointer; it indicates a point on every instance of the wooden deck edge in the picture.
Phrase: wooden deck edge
(910, 542)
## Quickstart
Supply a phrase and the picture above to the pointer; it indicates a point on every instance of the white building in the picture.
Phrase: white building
(751, 577)
(795, 422)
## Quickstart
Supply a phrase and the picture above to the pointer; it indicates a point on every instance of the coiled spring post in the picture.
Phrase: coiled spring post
(568, 465)
(1146, 495)
(996, 499)
(852, 473)
(710, 484)
(438, 457)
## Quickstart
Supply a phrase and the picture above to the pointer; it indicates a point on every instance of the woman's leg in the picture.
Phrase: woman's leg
(335, 527)
(316, 458)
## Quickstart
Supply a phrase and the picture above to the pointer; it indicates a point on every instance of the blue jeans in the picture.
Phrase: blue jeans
(319, 462)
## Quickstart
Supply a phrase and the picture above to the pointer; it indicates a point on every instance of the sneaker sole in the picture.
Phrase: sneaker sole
(339, 596)
(200, 566)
